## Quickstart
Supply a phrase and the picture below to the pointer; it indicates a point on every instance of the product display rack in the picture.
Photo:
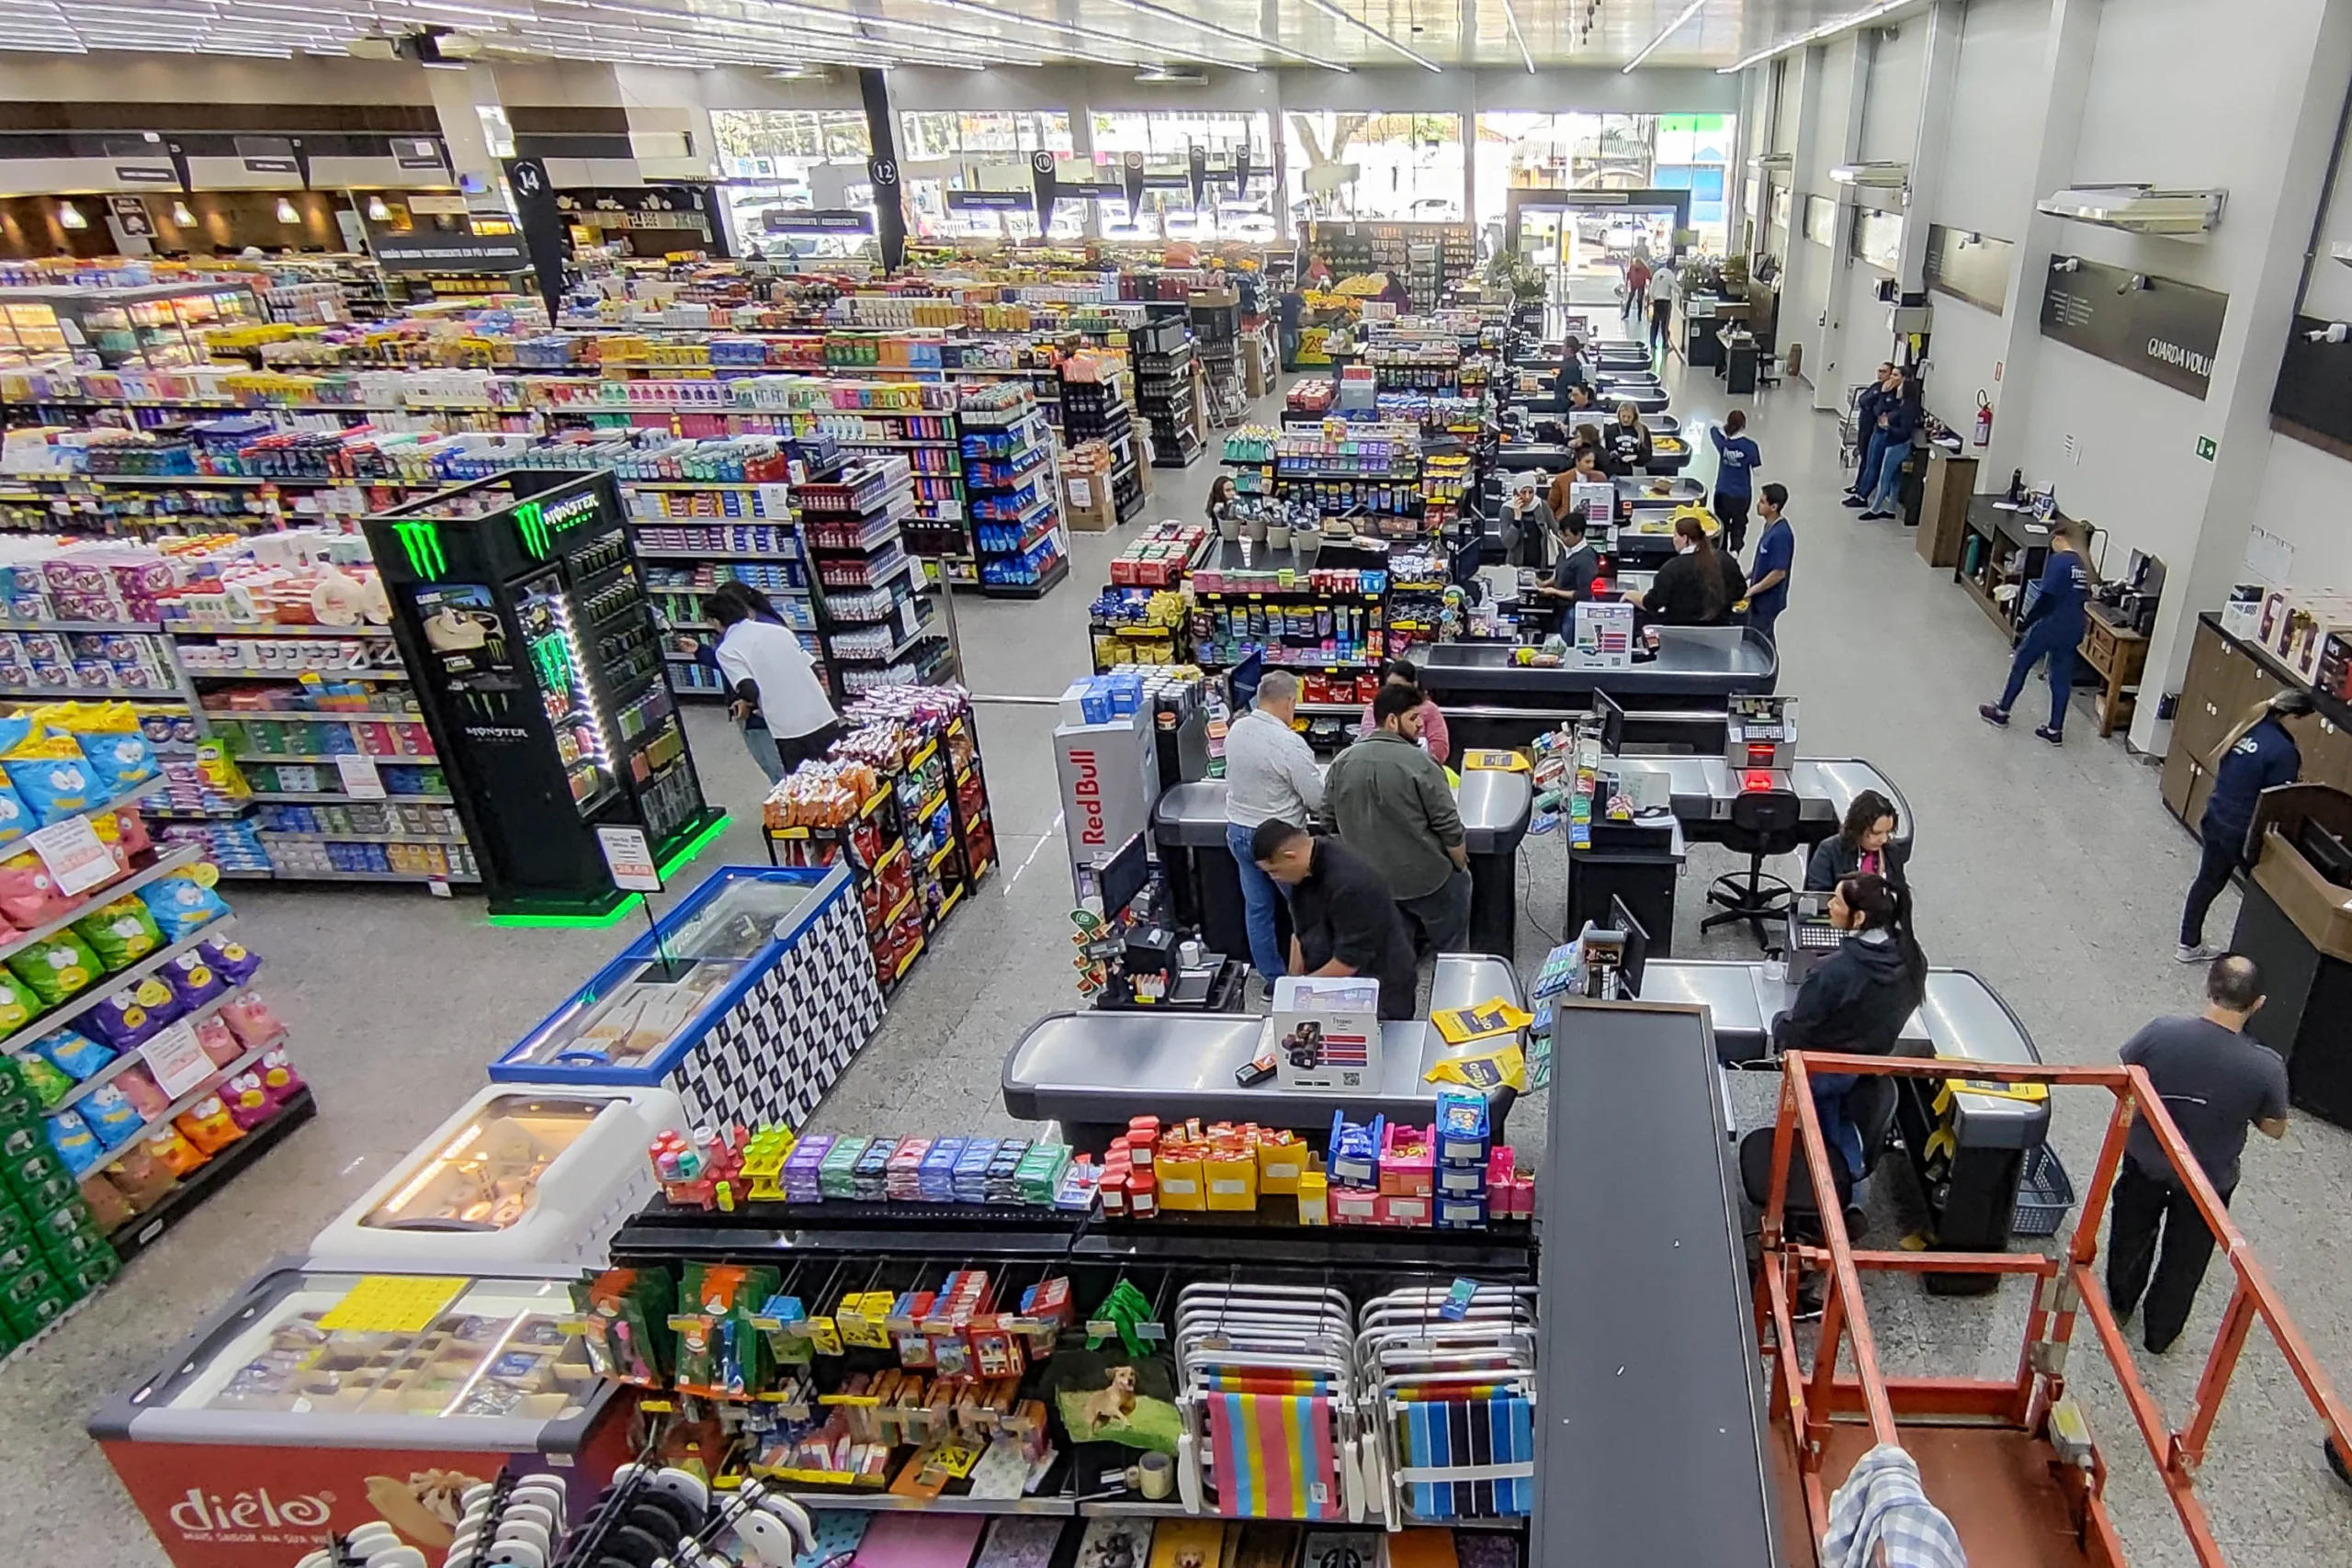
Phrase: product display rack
(1168, 391)
(873, 602)
(1103, 410)
(1431, 257)
(522, 605)
(1014, 490)
(693, 535)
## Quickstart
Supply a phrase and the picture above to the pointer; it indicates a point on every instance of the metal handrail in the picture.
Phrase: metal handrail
(2063, 1287)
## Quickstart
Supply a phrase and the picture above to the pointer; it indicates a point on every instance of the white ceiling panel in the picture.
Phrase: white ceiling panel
(1332, 34)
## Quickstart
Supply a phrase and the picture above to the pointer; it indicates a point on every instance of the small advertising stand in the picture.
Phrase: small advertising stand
(520, 604)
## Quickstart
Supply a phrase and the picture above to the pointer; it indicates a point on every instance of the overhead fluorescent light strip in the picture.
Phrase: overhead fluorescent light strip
(1341, 14)
(1518, 38)
(1071, 29)
(1253, 39)
(1670, 28)
(727, 30)
(1827, 29)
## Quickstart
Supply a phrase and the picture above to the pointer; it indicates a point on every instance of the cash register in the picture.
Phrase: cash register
(1760, 740)
(1810, 938)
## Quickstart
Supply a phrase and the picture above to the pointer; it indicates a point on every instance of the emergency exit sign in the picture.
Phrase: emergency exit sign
(2205, 447)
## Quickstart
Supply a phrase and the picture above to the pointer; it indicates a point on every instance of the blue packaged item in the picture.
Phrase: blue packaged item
(54, 788)
(16, 818)
(112, 1115)
(180, 906)
(120, 759)
(77, 1148)
(74, 1053)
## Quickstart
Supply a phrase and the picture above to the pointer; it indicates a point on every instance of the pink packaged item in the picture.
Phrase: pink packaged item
(220, 1042)
(253, 1021)
(140, 1088)
(247, 1102)
(131, 833)
(279, 1077)
(27, 896)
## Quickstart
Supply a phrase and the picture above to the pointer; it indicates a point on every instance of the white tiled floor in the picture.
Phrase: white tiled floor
(2056, 875)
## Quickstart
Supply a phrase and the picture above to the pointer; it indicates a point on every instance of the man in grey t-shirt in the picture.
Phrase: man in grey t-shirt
(2215, 1083)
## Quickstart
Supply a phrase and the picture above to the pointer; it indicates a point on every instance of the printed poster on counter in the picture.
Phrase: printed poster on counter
(1605, 635)
(1326, 1031)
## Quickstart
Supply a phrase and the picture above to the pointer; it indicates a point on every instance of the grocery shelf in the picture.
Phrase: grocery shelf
(162, 864)
(336, 797)
(196, 673)
(105, 984)
(131, 1057)
(135, 628)
(195, 628)
(297, 836)
(413, 762)
(131, 1239)
(291, 874)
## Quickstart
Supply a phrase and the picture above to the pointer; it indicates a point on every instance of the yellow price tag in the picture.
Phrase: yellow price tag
(393, 1303)
(204, 873)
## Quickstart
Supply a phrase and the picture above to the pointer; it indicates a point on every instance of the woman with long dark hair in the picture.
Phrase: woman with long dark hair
(1864, 845)
(1698, 587)
(1858, 1001)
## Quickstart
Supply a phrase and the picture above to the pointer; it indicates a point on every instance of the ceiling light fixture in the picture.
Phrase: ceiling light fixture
(1827, 29)
(182, 215)
(1166, 14)
(1672, 27)
(378, 212)
(1338, 13)
(1516, 36)
(286, 213)
(792, 39)
(70, 216)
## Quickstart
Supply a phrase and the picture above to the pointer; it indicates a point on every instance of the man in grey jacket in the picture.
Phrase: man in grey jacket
(1390, 803)
(1270, 774)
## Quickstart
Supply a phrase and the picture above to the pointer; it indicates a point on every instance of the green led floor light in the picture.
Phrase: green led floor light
(592, 922)
(694, 847)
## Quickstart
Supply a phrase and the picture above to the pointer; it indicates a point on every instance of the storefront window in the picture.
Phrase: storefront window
(1607, 152)
(1399, 167)
(1165, 138)
(983, 132)
(792, 158)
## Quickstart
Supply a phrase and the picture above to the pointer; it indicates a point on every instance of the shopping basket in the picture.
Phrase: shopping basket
(2044, 1194)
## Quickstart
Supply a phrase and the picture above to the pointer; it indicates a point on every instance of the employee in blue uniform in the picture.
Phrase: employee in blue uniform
(1571, 373)
(2259, 754)
(2051, 630)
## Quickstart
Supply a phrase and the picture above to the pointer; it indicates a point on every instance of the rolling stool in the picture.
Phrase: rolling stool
(1763, 823)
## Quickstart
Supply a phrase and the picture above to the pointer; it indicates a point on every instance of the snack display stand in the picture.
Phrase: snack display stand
(747, 1001)
(317, 1400)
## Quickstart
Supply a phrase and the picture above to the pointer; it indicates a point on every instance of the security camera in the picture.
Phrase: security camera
(2132, 284)
(2066, 264)
(2334, 332)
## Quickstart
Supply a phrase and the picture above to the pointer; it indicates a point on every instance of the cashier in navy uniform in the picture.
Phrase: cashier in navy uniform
(1343, 920)
(2259, 754)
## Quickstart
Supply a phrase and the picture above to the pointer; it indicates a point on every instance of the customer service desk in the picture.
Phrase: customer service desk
(1090, 1071)
(1971, 1174)
(1188, 829)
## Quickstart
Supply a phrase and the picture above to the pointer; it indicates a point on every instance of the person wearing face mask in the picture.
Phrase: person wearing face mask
(1864, 846)
(2051, 630)
(1857, 1002)
(1629, 439)
(1698, 587)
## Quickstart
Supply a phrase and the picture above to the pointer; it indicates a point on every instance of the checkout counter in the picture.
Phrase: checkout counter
(2296, 922)
(1968, 1147)
(1188, 827)
(1678, 697)
(1090, 1071)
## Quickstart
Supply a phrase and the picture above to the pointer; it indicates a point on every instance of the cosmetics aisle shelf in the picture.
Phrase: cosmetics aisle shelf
(1013, 481)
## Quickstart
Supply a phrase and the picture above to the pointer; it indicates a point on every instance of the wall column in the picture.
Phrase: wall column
(458, 98)
(2305, 118)
(1939, 69)
(1830, 381)
(1799, 261)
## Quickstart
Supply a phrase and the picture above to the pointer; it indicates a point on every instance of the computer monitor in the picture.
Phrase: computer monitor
(1612, 723)
(1637, 943)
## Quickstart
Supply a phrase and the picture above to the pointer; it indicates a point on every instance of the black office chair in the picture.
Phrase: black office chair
(1870, 1106)
(1763, 822)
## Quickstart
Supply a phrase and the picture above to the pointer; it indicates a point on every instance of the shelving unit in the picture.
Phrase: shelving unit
(1015, 489)
(1103, 410)
(1168, 391)
(873, 608)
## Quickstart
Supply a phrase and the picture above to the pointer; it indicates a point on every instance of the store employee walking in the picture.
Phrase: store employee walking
(2259, 754)
(2215, 1083)
(1269, 776)
(1342, 919)
(2051, 630)
(1776, 554)
(1390, 803)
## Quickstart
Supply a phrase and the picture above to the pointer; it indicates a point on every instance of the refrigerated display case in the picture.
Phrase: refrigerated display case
(519, 1179)
(748, 999)
(318, 1400)
(520, 603)
(156, 327)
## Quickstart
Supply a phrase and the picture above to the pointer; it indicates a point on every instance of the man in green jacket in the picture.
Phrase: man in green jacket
(1389, 802)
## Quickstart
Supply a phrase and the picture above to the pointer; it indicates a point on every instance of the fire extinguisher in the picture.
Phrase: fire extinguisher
(1983, 419)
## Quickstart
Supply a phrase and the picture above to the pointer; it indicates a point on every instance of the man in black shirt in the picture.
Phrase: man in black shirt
(1575, 573)
(1342, 919)
(2215, 1083)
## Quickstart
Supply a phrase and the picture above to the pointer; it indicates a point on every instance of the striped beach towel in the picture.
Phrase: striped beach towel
(1273, 1456)
(1488, 1446)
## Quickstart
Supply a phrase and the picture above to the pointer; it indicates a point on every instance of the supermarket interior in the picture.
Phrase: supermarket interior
(1072, 784)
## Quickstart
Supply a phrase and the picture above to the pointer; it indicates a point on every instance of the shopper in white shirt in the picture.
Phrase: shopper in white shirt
(771, 681)
(1269, 773)
(1666, 283)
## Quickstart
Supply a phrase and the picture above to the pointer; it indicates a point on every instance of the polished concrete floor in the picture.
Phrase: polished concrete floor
(2054, 874)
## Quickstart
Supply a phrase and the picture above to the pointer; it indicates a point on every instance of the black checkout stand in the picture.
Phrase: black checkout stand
(1492, 700)
(1188, 827)
(2296, 922)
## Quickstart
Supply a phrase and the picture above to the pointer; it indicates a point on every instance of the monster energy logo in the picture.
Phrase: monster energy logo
(537, 526)
(423, 543)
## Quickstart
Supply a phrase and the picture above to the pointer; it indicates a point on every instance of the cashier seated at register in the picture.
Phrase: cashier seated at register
(1857, 1002)
(1342, 919)
(1864, 846)
(1697, 587)
(1578, 568)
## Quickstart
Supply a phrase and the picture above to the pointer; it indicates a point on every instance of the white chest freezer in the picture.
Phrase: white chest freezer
(524, 1178)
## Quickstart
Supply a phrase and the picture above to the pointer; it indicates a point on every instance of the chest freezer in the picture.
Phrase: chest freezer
(317, 1400)
(523, 1178)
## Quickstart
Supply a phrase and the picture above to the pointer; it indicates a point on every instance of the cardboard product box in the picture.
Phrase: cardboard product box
(1231, 1179)
(1397, 1210)
(1354, 1206)
(1087, 505)
(1327, 1032)
(1280, 1165)
(1181, 1184)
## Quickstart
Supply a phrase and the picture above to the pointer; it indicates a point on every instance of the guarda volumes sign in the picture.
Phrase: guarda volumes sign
(2156, 327)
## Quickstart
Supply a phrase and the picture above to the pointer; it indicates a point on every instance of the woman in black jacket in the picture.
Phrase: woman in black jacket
(1864, 846)
(1858, 1001)
(1629, 438)
(1698, 587)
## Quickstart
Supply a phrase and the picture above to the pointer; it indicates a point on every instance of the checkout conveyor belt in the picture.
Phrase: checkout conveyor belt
(1702, 789)
(1650, 1427)
(1091, 1071)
